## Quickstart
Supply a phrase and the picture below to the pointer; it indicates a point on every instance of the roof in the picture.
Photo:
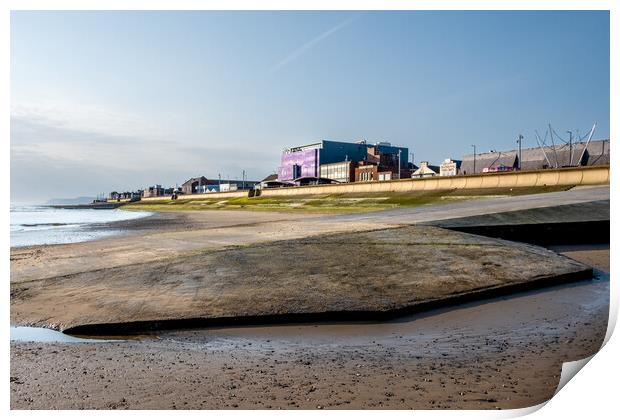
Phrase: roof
(200, 179)
(321, 180)
(272, 177)
(426, 169)
(597, 153)
(321, 143)
(205, 181)
(277, 183)
(534, 158)
(455, 161)
(488, 160)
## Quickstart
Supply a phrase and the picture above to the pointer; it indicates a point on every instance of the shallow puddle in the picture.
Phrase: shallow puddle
(44, 335)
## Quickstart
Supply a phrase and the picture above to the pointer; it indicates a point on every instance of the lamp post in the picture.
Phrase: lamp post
(519, 140)
(570, 147)
(474, 146)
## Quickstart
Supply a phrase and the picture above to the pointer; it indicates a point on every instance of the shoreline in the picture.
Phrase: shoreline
(77, 231)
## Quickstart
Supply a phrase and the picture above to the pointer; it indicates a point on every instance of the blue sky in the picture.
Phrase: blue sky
(105, 101)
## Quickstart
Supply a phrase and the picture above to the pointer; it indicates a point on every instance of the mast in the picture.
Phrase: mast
(553, 146)
(539, 141)
(587, 143)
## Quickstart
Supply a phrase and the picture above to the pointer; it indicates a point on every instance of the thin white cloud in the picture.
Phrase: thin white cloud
(305, 47)
(87, 119)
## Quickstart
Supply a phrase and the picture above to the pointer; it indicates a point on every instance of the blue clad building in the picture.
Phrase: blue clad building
(305, 160)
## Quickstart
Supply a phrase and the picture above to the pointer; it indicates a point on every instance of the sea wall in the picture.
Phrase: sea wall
(549, 177)
(592, 175)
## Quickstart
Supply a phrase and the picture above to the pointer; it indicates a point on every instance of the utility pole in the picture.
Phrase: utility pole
(519, 141)
(399, 163)
(243, 180)
(219, 181)
(474, 146)
(570, 147)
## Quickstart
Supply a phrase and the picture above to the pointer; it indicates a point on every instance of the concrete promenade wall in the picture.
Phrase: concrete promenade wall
(590, 175)
(550, 177)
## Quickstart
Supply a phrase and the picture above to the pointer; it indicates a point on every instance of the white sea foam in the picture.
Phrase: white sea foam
(37, 225)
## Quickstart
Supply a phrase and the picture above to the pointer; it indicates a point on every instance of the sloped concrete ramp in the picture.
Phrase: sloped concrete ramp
(373, 274)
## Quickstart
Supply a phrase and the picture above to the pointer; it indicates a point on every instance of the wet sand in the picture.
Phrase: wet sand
(499, 353)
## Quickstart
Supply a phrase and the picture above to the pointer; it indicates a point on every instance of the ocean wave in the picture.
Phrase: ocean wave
(38, 225)
(44, 224)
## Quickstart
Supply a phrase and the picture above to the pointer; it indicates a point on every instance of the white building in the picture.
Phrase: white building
(425, 170)
(449, 167)
(228, 187)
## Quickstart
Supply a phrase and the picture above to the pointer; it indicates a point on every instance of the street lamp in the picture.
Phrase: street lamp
(520, 140)
(474, 146)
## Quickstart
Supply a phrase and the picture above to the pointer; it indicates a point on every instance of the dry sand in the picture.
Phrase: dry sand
(168, 235)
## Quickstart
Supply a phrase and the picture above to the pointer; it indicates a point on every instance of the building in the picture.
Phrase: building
(425, 170)
(537, 158)
(125, 196)
(267, 181)
(450, 167)
(364, 173)
(153, 191)
(271, 181)
(194, 185)
(564, 155)
(202, 185)
(339, 171)
(597, 153)
(491, 161)
(226, 187)
(373, 172)
(306, 161)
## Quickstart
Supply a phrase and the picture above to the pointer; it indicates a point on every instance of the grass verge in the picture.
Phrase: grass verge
(335, 203)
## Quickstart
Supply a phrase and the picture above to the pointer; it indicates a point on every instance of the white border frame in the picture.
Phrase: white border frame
(592, 394)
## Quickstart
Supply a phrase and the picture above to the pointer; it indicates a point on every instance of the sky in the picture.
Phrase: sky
(104, 101)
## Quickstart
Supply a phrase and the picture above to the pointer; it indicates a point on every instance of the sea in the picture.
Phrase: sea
(42, 225)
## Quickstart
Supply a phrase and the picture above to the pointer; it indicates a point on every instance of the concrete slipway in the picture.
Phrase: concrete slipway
(369, 274)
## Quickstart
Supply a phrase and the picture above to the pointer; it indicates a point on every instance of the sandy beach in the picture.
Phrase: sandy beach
(504, 352)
